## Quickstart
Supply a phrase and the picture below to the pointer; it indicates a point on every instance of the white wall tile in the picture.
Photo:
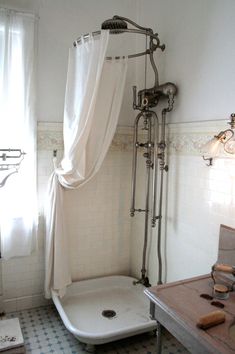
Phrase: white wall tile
(98, 218)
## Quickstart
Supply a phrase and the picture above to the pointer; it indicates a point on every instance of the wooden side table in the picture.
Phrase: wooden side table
(177, 306)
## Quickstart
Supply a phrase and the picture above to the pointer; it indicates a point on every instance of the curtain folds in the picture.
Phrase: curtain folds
(94, 93)
(18, 199)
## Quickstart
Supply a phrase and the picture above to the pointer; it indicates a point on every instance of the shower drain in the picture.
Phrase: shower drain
(108, 313)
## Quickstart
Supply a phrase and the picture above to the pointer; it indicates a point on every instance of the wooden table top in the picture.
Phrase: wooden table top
(182, 302)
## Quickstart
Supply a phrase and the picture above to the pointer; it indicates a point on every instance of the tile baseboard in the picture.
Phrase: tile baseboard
(25, 302)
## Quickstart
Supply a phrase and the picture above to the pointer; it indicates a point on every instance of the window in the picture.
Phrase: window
(18, 215)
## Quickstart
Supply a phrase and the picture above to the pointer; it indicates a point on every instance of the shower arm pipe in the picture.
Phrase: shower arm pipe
(134, 164)
(156, 80)
(138, 30)
(152, 46)
(117, 17)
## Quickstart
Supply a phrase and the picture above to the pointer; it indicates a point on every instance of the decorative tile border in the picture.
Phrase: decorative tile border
(188, 138)
(50, 137)
(123, 139)
(182, 138)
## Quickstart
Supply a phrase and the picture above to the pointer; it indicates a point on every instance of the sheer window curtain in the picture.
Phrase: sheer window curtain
(18, 198)
(93, 100)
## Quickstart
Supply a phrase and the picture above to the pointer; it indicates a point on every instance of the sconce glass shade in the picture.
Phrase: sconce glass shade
(229, 146)
(212, 148)
(221, 143)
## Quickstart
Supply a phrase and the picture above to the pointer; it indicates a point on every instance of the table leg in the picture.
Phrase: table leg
(159, 338)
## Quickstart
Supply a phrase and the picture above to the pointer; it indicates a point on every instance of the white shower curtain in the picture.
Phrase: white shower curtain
(93, 100)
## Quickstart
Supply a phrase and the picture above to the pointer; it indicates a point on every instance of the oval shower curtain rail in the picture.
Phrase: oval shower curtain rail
(118, 25)
(128, 30)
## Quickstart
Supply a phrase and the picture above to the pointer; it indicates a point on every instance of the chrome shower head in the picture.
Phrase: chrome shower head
(115, 25)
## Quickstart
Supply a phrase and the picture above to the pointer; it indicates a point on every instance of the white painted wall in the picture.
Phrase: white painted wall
(199, 56)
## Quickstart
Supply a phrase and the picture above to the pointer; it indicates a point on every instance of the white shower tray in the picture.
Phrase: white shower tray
(82, 307)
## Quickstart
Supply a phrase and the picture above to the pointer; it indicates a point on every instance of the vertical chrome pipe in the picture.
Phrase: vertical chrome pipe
(156, 80)
(134, 164)
(162, 169)
(134, 90)
(160, 230)
(149, 166)
(155, 167)
(146, 221)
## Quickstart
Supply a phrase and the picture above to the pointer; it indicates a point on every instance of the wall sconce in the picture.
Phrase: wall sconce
(223, 142)
(17, 156)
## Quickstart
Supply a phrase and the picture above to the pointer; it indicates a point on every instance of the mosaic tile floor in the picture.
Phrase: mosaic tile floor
(44, 333)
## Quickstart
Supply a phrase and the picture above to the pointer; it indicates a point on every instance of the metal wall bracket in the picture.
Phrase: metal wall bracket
(209, 159)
